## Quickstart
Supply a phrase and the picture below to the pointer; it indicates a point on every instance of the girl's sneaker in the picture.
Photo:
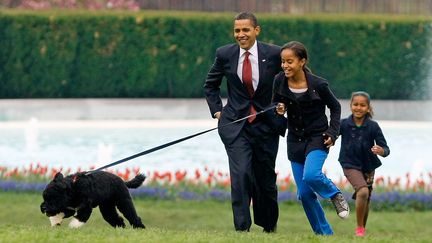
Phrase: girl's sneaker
(341, 205)
(360, 231)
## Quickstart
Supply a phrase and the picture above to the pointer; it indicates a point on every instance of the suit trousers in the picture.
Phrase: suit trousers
(252, 158)
(310, 180)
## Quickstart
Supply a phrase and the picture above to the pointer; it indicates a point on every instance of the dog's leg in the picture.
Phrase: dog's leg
(127, 208)
(81, 218)
(69, 212)
(75, 223)
(109, 213)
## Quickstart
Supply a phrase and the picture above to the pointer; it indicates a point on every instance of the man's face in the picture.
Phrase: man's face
(245, 33)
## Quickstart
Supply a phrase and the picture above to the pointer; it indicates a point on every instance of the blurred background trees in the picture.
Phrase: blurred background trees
(142, 48)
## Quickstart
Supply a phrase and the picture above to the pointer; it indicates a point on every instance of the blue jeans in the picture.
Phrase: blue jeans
(310, 180)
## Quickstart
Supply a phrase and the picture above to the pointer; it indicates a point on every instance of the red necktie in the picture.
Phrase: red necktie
(247, 80)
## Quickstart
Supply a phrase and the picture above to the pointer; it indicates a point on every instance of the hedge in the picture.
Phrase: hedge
(80, 54)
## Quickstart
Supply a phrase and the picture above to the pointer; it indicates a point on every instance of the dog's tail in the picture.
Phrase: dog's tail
(136, 182)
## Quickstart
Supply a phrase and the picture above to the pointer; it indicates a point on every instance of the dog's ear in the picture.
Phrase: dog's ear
(58, 176)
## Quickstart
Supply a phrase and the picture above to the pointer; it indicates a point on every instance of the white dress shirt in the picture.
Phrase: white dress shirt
(253, 58)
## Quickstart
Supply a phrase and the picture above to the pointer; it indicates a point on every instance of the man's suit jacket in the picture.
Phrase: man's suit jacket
(239, 101)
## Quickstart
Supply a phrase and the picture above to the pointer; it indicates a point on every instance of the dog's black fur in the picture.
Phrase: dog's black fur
(80, 193)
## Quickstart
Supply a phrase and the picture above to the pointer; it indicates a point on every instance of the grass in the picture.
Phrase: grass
(199, 221)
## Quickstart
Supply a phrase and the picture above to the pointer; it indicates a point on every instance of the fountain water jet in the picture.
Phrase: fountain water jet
(31, 137)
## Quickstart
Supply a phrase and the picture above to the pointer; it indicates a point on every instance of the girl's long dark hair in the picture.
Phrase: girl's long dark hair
(299, 50)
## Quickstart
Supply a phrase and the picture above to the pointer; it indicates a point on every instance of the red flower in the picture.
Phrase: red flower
(180, 175)
(197, 174)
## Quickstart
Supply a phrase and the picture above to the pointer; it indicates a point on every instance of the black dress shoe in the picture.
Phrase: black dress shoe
(270, 230)
(242, 230)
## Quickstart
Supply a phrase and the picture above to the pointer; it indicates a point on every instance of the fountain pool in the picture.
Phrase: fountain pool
(73, 144)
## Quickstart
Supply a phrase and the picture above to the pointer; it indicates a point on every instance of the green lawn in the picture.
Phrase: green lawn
(194, 221)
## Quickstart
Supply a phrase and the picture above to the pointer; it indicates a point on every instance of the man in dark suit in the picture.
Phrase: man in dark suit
(249, 67)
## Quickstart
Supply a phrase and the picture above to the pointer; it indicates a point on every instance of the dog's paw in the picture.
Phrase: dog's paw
(56, 219)
(75, 223)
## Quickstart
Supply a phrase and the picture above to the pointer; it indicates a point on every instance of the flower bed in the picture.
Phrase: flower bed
(389, 194)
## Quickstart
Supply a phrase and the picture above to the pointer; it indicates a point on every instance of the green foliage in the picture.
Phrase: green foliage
(167, 54)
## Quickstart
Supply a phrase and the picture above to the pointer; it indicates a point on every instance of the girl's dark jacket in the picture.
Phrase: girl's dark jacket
(356, 144)
(307, 120)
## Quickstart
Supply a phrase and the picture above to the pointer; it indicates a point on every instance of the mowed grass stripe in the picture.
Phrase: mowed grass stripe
(199, 221)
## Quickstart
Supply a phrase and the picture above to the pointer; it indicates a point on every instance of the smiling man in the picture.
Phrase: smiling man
(249, 67)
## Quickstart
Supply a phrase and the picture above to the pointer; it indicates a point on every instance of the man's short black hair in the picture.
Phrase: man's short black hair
(247, 15)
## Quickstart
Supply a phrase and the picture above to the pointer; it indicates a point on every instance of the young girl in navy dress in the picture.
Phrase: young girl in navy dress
(304, 97)
(362, 141)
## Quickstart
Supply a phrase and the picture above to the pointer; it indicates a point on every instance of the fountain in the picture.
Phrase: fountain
(31, 137)
(104, 155)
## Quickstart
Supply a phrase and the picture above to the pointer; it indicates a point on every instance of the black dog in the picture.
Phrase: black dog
(80, 193)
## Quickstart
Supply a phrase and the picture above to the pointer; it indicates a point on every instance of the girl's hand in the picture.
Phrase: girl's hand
(217, 115)
(376, 149)
(280, 109)
(328, 140)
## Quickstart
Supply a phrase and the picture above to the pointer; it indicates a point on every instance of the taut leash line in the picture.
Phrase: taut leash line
(148, 151)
